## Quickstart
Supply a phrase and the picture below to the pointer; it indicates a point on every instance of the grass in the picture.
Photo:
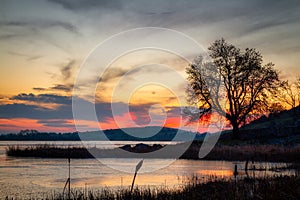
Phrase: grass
(277, 153)
(279, 187)
(48, 151)
(262, 153)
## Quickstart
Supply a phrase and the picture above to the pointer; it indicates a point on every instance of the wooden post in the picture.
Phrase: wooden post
(133, 181)
(69, 187)
(137, 168)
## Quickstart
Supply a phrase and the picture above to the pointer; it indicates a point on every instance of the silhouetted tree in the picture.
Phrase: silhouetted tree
(289, 94)
(231, 82)
(275, 108)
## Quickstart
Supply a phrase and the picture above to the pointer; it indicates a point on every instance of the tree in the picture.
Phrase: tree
(289, 94)
(229, 74)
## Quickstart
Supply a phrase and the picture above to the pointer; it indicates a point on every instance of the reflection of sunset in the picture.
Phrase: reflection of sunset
(141, 179)
(217, 172)
(126, 180)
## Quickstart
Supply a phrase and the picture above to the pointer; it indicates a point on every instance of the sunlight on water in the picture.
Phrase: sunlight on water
(219, 173)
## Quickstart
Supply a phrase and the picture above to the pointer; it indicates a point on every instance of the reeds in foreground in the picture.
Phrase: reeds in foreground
(277, 188)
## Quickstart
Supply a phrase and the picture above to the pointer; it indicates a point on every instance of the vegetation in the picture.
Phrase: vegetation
(232, 76)
(275, 188)
(48, 151)
(165, 134)
(270, 153)
(34, 135)
(289, 94)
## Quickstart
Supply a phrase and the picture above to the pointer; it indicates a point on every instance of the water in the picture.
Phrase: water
(30, 177)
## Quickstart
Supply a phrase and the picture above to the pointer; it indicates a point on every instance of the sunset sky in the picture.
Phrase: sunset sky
(43, 43)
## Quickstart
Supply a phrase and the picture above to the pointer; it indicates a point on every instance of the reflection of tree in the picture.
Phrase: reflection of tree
(238, 77)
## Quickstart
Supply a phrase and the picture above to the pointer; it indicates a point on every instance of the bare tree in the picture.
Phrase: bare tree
(289, 94)
(238, 77)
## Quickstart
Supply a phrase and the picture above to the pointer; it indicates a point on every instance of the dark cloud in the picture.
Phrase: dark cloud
(63, 111)
(39, 89)
(65, 88)
(77, 5)
(174, 111)
(43, 98)
(105, 113)
(112, 73)
(139, 113)
(40, 24)
(34, 112)
(66, 70)
(57, 87)
(59, 116)
(56, 123)
(118, 72)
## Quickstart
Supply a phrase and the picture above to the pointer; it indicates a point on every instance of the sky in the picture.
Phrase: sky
(44, 43)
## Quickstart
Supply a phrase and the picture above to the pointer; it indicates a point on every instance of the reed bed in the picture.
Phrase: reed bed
(262, 153)
(278, 187)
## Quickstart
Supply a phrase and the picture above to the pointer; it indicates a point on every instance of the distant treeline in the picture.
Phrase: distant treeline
(164, 134)
(34, 135)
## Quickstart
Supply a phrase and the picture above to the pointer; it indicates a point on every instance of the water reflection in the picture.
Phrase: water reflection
(219, 173)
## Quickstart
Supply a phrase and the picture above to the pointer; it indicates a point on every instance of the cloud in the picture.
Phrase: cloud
(64, 110)
(60, 87)
(43, 98)
(66, 70)
(61, 117)
(78, 5)
(112, 73)
(27, 57)
(56, 123)
(10, 36)
(56, 87)
(118, 72)
(39, 89)
(41, 24)
(34, 112)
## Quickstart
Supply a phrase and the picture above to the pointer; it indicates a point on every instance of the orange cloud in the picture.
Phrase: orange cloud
(17, 124)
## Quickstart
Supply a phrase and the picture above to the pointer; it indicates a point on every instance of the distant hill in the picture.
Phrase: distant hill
(128, 134)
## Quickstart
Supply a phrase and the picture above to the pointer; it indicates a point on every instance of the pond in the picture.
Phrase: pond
(34, 177)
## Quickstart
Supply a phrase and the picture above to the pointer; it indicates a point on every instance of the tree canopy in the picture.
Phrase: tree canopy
(289, 94)
(231, 82)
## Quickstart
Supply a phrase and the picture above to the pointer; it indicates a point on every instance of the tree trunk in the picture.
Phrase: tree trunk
(235, 131)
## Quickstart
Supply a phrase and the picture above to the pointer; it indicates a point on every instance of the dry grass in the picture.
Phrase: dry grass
(277, 188)
(265, 153)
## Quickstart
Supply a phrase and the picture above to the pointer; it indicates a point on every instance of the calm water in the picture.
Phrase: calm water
(36, 177)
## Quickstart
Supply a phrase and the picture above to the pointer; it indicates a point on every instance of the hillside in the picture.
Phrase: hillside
(278, 128)
(135, 134)
(283, 119)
